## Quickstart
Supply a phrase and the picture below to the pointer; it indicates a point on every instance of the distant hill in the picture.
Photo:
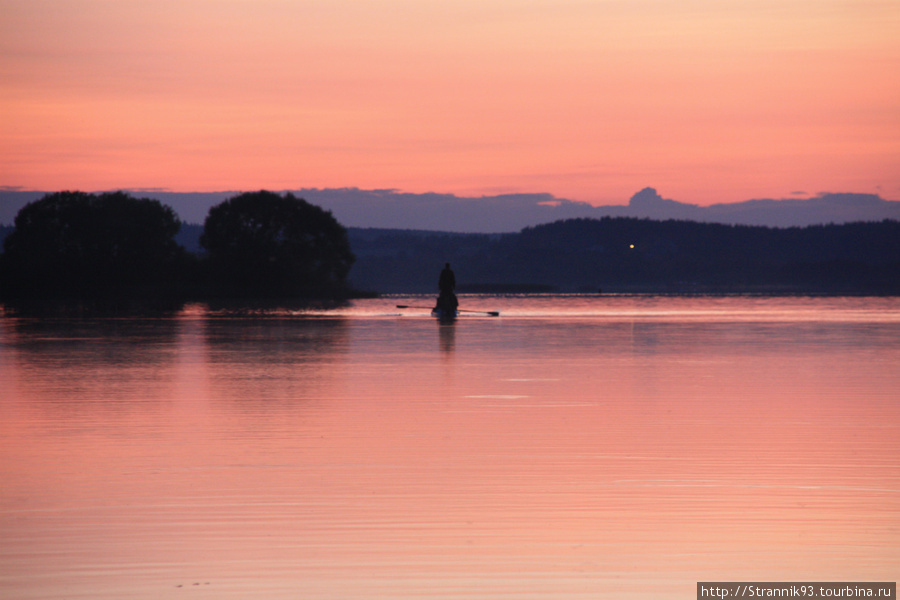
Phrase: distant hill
(629, 254)
(390, 209)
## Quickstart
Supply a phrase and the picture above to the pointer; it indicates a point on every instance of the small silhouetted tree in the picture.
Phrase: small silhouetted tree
(261, 243)
(79, 244)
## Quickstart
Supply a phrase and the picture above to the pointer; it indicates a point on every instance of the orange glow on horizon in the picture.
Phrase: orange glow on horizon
(704, 100)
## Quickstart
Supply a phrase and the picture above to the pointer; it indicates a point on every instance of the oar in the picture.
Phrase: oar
(493, 313)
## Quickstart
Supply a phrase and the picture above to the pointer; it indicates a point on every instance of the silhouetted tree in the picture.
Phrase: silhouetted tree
(75, 244)
(264, 243)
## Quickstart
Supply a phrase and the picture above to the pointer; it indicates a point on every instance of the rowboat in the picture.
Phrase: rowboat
(437, 312)
(444, 315)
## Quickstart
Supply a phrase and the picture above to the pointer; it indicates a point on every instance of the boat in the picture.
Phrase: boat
(446, 306)
(444, 315)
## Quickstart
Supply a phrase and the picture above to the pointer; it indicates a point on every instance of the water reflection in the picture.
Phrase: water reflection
(365, 455)
(273, 362)
(68, 366)
(447, 332)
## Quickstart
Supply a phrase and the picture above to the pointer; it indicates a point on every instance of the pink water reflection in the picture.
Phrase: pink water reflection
(380, 457)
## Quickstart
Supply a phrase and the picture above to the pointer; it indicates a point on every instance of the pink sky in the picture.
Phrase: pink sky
(705, 100)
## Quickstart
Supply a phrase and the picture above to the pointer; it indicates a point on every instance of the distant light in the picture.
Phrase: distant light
(631, 246)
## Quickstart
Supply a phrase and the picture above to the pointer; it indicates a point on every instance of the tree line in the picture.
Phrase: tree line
(638, 255)
(114, 249)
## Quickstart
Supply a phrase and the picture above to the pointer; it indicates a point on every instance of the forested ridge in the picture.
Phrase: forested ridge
(628, 254)
(624, 255)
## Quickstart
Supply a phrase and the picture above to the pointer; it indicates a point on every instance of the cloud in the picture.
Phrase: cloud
(393, 209)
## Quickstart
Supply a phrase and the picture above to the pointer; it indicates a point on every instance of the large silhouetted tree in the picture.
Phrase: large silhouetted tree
(86, 245)
(264, 243)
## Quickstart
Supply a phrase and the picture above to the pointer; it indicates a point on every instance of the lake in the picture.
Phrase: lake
(575, 447)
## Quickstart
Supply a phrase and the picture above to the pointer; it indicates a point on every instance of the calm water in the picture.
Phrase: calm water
(572, 448)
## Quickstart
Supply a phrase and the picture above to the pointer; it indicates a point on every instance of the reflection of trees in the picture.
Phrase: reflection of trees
(272, 358)
(84, 365)
(111, 367)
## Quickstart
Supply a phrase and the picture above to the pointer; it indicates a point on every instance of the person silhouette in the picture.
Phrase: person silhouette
(447, 281)
(447, 302)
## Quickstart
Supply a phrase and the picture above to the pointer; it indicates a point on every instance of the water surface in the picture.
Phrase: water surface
(574, 447)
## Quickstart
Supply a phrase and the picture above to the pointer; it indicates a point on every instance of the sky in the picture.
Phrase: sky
(707, 101)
